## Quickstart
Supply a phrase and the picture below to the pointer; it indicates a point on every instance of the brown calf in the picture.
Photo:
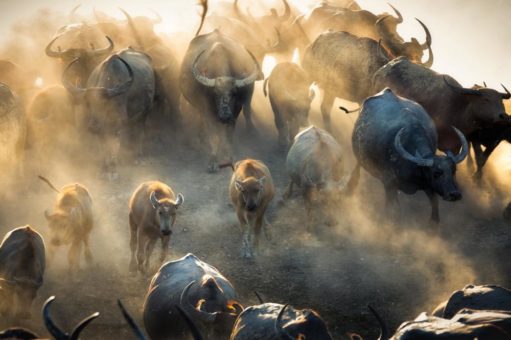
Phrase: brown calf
(153, 210)
(71, 222)
(251, 191)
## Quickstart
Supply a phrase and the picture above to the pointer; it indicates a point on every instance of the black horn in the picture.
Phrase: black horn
(133, 325)
(107, 49)
(278, 325)
(506, 95)
(384, 331)
(398, 14)
(428, 42)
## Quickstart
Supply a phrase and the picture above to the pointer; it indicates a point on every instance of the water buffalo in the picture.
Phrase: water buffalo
(444, 99)
(50, 123)
(315, 164)
(343, 65)
(465, 325)
(118, 96)
(270, 321)
(290, 98)
(486, 297)
(217, 78)
(361, 23)
(55, 331)
(12, 130)
(206, 296)
(490, 138)
(251, 190)
(85, 59)
(71, 222)
(153, 209)
(22, 265)
(395, 140)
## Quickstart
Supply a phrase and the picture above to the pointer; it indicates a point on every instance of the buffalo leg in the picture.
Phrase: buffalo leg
(247, 112)
(433, 199)
(148, 252)
(133, 243)
(86, 250)
(326, 107)
(482, 158)
(470, 159)
(307, 195)
(280, 125)
(354, 179)
(142, 240)
(258, 225)
(74, 255)
(289, 190)
(165, 240)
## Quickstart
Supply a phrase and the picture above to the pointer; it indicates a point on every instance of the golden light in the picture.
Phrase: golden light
(269, 63)
(39, 82)
(296, 57)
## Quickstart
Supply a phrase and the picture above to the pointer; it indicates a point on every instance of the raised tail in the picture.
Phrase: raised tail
(44, 179)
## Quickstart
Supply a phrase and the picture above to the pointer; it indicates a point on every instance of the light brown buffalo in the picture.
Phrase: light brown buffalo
(251, 191)
(153, 209)
(71, 222)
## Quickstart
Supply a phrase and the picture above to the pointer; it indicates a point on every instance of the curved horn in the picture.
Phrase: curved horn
(406, 155)
(154, 201)
(428, 63)
(461, 90)
(71, 16)
(506, 95)
(54, 330)
(133, 29)
(384, 331)
(464, 148)
(75, 334)
(158, 18)
(199, 77)
(107, 49)
(192, 311)
(133, 325)
(120, 89)
(428, 42)
(252, 77)
(398, 14)
(73, 89)
(287, 12)
(278, 327)
(193, 327)
(50, 52)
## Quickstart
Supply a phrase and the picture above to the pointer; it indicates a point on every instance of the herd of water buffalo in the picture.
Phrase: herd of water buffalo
(407, 112)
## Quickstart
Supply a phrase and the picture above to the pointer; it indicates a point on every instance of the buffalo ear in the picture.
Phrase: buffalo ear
(154, 200)
(239, 185)
(180, 199)
(47, 215)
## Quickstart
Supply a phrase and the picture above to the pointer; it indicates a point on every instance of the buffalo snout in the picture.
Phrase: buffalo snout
(453, 196)
(166, 232)
(251, 206)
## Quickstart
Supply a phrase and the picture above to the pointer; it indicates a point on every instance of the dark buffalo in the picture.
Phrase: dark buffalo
(490, 138)
(290, 97)
(465, 325)
(217, 79)
(22, 265)
(361, 23)
(395, 140)
(486, 297)
(116, 101)
(271, 321)
(201, 291)
(86, 58)
(446, 101)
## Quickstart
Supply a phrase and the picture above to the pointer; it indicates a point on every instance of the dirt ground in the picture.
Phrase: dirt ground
(401, 268)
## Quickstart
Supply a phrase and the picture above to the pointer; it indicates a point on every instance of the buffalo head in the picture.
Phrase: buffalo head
(165, 211)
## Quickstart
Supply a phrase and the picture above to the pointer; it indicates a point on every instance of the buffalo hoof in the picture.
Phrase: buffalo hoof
(213, 168)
